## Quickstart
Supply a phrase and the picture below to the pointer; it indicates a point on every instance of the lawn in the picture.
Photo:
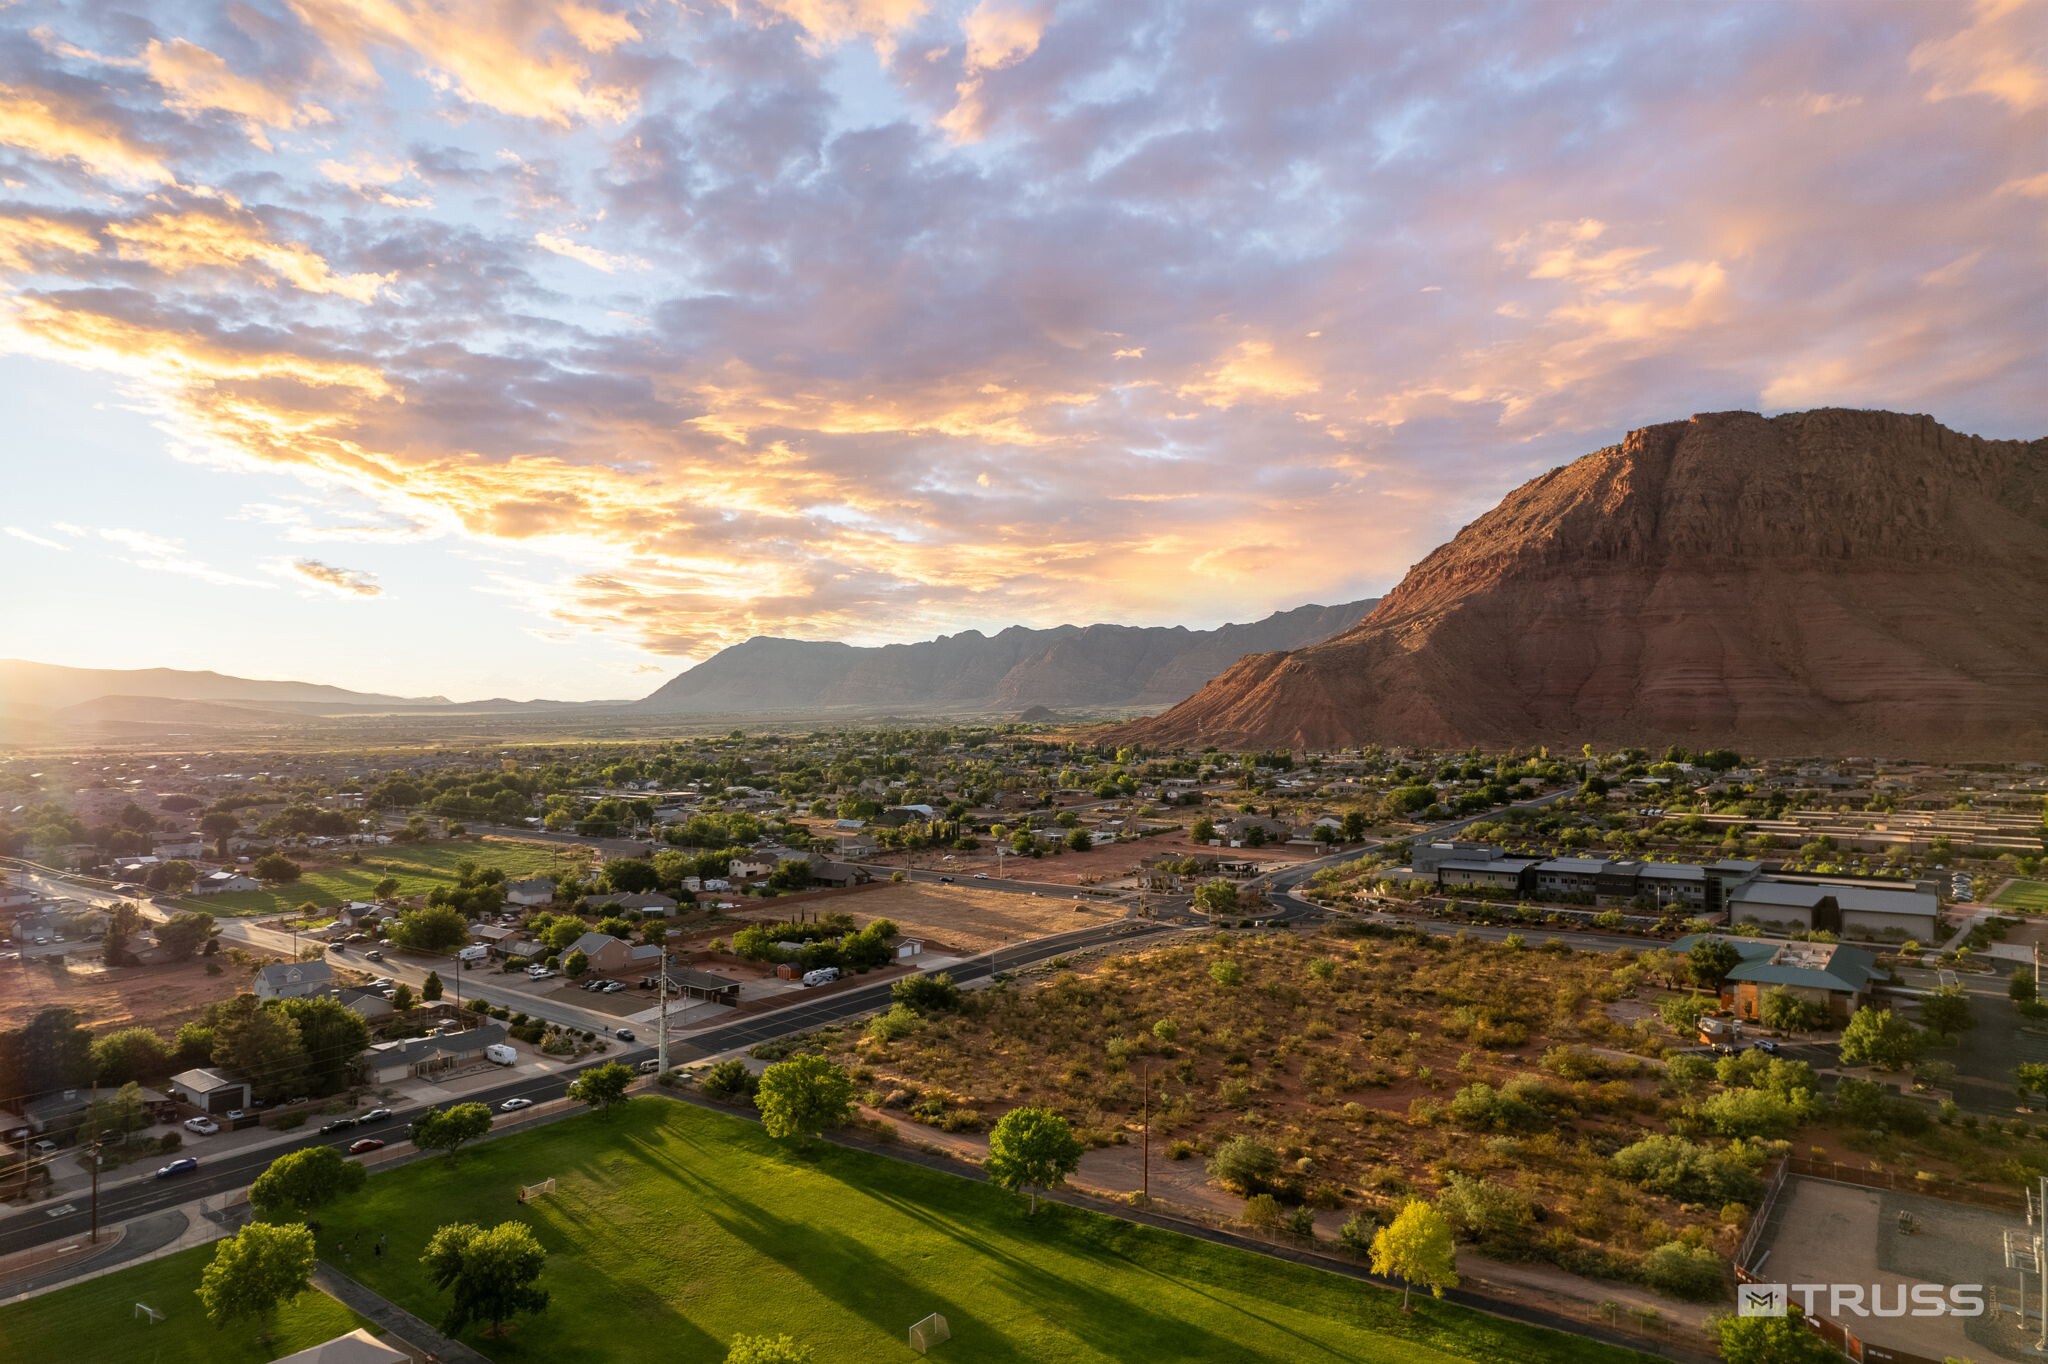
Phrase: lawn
(418, 867)
(95, 1321)
(2030, 896)
(674, 1228)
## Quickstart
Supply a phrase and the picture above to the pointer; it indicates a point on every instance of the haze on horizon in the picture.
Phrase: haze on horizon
(442, 346)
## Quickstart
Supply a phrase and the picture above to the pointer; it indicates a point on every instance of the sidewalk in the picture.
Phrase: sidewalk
(395, 1320)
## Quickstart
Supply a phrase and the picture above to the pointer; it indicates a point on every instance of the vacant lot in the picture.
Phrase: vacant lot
(672, 1229)
(959, 917)
(95, 1321)
(418, 867)
(2029, 896)
(164, 997)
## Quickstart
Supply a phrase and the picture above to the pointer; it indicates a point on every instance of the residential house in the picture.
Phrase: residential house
(186, 845)
(644, 903)
(608, 955)
(210, 1091)
(705, 985)
(839, 874)
(364, 1002)
(59, 1112)
(292, 980)
(535, 890)
(424, 1057)
(357, 1347)
(224, 882)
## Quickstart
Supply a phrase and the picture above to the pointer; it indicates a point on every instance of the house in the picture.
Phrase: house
(224, 883)
(608, 955)
(704, 985)
(292, 979)
(644, 903)
(17, 897)
(908, 947)
(210, 1091)
(61, 1111)
(357, 1347)
(188, 845)
(364, 1002)
(422, 1057)
(1837, 978)
(839, 874)
(535, 890)
(743, 868)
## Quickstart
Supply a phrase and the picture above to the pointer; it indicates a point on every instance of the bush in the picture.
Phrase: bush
(1480, 1210)
(1357, 1232)
(1244, 1164)
(1684, 1271)
(927, 994)
(1262, 1213)
(1680, 1169)
(730, 1079)
(899, 1022)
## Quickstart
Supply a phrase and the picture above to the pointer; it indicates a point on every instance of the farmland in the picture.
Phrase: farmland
(417, 867)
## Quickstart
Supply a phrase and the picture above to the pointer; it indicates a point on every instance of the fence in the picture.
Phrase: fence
(1745, 1254)
(1996, 1199)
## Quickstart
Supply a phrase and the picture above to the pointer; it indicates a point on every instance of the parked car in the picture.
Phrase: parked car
(649, 1067)
(824, 975)
(338, 1125)
(612, 987)
(375, 1115)
(543, 974)
(236, 1114)
(383, 983)
(945, 880)
(184, 1166)
(1767, 1046)
(205, 1127)
(357, 937)
(514, 1105)
(593, 985)
(625, 1035)
(363, 1145)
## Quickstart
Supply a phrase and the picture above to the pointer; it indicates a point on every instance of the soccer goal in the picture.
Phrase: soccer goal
(143, 1309)
(529, 1192)
(929, 1332)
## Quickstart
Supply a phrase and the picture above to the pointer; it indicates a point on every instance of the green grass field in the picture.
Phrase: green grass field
(674, 1228)
(418, 867)
(2028, 896)
(95, 1323)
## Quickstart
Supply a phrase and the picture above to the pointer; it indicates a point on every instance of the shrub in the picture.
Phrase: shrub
(1688, 1172)
(730, 1079)
(1684, 1271)
(1480, 1210)
(899, 1022)
(1357, 1232)
(1262, 1213)
(1244, 1164)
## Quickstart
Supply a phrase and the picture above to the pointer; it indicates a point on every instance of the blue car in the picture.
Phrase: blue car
(178, 1167)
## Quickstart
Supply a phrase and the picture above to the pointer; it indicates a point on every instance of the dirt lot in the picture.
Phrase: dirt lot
(958, 918)
(164, 997)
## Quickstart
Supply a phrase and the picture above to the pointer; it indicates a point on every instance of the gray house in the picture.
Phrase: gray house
(421, 1057)
(210, 1091)
(292, 979)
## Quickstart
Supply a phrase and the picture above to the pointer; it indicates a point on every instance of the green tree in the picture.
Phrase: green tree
(432, 989)
(186, 934)
(117, 1116)
(803, 1096)
(1710, 961)
(219, 826)
(1080, 840)
(263, 1044)
(1032, 1149)
(492, 1275)
(1245, 1165)
(1216, 897)
(2021, 988)
(730, 1079)
(1787, 1012)
(401, 997)
(1881, 1038)
(130, 1054)
(432, 928)
(256, 1271)
(2033, 1078)
(175, 876)
(1417, 1248)
(1945, 1011)
(768, 1350)
(1228, 974)
(123, 921)
(1772, 1340)
(575, 964)
(277, 868)
(299, 1181)
(927, 994)
(332, 1035)
(449, 1129)
(602, 1087)
(1203, 831)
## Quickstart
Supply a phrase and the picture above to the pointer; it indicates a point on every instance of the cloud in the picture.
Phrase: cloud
(827, 23)
(32, 538)
(212, 237)
(199, 80)
(997, 34)
(2002, 53)
(64, 128)
(562, 245)
(161, 554)
(343, 582)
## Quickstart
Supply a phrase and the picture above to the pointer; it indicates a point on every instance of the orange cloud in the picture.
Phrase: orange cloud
(1252, 371)
(199, 80)
(2000, 54)
(58, 128)
(997, 35)
(828, 22)
(28, 238)
(192, 239)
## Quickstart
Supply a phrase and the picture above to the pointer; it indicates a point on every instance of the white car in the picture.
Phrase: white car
(543, 973)
(514, 1105)
(205, 1127)
(981, 876)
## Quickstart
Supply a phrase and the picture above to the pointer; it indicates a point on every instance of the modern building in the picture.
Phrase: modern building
(1845, 910)
(1837, 978)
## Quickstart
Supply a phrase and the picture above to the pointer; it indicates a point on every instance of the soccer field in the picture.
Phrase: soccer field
(674, 1228)
(2030, 896)
(418, 868)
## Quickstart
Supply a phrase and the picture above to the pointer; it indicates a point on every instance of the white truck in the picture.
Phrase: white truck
(500, 1054)
(475, 953)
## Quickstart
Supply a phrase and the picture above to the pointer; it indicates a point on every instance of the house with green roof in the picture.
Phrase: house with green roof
(1836, 977)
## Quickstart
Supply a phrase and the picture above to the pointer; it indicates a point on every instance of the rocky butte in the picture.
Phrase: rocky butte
(1833, 581)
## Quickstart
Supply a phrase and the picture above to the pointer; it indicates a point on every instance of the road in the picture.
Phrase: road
(37, 1226)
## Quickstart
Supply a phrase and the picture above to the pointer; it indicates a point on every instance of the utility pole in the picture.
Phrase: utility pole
(661, 1044)
(1145, 1149)
(95, 1193)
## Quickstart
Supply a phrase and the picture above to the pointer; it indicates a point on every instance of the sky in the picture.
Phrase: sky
(545, 348)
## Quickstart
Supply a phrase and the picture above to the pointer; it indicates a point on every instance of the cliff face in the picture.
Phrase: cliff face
(1833, 580)
(1015, 669)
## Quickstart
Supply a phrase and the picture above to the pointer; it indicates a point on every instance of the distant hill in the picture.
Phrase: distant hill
(52, 685)
(1834, 581)
(1011, 671)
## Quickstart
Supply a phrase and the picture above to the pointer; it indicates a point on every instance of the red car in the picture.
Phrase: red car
(366, 1144)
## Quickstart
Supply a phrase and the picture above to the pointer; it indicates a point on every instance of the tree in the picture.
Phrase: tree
(432, 989)
(263, 1044)
(401, 997)
(575, 964)
(433, 928)
(491, 1274)
(2021, 988)
(602, 1086)
(632, 876)
(1228, 974)
(1080, 840)
(1772, 1340)
(1945, 1011)
(1031, 1149)
(116, 1116)
(186, 934)
(277, 868)
(730, 1079)
(219, 826)
(927, 994)
(1788, 1012)
(332, 1035)
(1710, 961)
(123, 921)
(175, 876)
(299, 1181)
(1203, 831)
(768, 1350)
(803, 1096)
(1244, 1164)
(791, 874)
(130, 1054)
(385, 889)
(256, 1271)
(1417, 1248)
(1879, 1037)
(2033, 1078)
(1216, 897)
(447, 1129)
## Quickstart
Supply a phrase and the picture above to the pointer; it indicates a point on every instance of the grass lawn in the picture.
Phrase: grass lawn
(2031, 896)
(419, 867)
(95, 1321)
(674, 1229)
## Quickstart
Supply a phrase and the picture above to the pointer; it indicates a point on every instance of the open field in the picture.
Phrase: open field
(164, 997)
(674, 1229)
(419, 868)
(958, 917)
(94, 1322)
(2029, 896)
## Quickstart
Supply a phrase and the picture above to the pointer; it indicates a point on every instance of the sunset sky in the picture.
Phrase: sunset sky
(542, 348)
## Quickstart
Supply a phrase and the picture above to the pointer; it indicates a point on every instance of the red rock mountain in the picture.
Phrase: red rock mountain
(1832, 581)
